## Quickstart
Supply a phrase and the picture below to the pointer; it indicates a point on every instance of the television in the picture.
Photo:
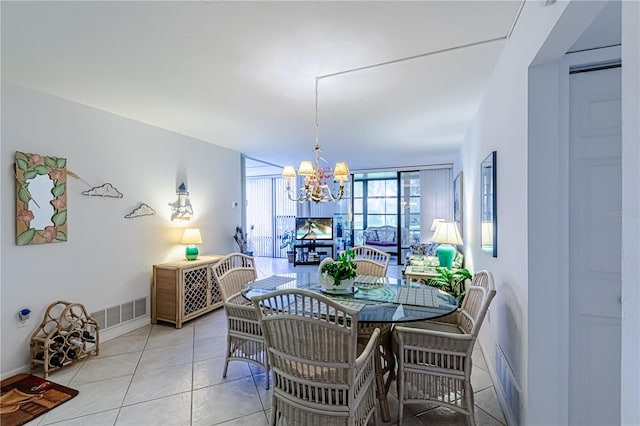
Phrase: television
(314, 228)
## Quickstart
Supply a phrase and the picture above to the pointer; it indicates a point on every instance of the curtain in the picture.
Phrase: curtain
(436, 199)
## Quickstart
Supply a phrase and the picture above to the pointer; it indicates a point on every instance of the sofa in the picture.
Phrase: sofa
(383, 238)
(424, 255)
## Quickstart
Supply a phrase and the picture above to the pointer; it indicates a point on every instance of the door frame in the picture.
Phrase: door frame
(548, 237)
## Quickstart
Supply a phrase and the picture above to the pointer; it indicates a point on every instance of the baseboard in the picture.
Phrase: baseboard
(124, 328)
(105, 336)
(502, 398)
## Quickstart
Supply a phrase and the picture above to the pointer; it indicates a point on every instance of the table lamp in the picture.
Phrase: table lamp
(191, 237)
(446, 234)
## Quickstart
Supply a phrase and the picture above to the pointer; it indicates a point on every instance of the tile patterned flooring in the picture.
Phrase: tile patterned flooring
(157, 375)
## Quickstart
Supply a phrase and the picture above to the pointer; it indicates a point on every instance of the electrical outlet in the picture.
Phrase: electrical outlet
(22, 323)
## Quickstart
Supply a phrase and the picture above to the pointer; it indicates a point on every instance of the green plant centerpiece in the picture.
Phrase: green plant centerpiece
(451, 281)
(340, 270)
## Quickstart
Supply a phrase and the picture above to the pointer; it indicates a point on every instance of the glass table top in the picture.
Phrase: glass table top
(377, 299)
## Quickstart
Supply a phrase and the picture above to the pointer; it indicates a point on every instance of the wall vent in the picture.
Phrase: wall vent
(141, 307)
(113, 316)
(119, 314)
(100, 318)
(507, 382)
(126, 311)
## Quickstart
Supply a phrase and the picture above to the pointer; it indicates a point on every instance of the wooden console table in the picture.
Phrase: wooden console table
(184, 290)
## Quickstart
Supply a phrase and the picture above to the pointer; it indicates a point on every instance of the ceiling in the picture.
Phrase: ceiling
(410, 75)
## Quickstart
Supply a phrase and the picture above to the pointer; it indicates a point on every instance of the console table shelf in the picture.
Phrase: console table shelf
(311, 253)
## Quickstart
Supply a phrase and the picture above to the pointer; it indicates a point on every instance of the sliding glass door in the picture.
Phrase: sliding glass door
(409, 209)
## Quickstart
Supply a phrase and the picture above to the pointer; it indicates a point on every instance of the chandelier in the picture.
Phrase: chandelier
(316, 187)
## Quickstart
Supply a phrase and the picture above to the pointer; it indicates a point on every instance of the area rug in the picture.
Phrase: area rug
(25, 397)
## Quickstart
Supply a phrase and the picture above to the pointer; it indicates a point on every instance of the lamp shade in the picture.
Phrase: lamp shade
(191, 236)
(447, 233)
(341, 171)
(306, 168)
(435, 223)
(288, 172)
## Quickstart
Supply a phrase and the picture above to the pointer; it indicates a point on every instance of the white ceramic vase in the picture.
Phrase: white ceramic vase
(327, 281)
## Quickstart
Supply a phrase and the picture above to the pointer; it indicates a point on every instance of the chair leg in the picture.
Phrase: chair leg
(268, 372)
(400, 383)
(471, 418)
(226, 357)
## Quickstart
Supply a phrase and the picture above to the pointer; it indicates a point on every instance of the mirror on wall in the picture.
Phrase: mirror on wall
(41, 199)
(488, 209)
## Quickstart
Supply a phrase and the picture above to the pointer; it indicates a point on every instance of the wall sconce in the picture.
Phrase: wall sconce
(181, 209)
(191, 237)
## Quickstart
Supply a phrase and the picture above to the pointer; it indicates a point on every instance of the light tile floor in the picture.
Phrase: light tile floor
(157, 375)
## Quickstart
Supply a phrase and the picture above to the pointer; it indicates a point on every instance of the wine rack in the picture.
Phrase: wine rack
(67, 334)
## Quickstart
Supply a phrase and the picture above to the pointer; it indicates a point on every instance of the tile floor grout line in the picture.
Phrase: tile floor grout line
(124, 397)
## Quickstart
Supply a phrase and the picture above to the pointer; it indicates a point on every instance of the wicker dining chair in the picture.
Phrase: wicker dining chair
(371, 261)
(319, 379)
(374, 262)
(434, 357)
(244, 336)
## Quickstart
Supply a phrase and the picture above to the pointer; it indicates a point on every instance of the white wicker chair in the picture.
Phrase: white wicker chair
(374, 262)
(434, 357)
(371, 261)
(318, 377)
(244, 337)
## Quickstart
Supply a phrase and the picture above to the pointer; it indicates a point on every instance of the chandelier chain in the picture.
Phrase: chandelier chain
(316, 188)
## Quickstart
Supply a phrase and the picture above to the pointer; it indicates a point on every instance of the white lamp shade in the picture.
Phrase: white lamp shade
(447, 233)
(435, 223)
(191, 236)
(288, 172)
(341, 171)
(306, 168)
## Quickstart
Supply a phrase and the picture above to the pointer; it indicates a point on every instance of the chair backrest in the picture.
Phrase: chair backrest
(476, 302)
(232, 272)
(310, 338)
(371, 261)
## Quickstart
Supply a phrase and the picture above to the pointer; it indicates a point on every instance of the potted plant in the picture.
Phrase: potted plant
(451, 281)
(241, 239)
(338, 274)
(287, 240)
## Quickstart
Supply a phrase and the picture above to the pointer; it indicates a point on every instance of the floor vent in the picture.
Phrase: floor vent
(507, 382)
(119, 314)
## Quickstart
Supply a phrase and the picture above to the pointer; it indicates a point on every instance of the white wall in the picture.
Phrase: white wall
(107, 259)
(502, 124)
(631, 218)
(521, 118)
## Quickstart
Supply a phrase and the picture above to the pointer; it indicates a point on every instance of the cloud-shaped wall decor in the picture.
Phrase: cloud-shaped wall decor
(142, 210)
(106, 190)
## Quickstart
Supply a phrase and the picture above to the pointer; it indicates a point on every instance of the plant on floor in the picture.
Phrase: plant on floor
(343, 268)
(287, 240)
(451, 281)
(241, 239)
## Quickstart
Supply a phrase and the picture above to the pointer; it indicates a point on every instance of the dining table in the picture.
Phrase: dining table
(380, 302)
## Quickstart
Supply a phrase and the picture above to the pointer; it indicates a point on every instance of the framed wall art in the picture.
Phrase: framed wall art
(489, 204)
(457, 202)
(41, 199)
